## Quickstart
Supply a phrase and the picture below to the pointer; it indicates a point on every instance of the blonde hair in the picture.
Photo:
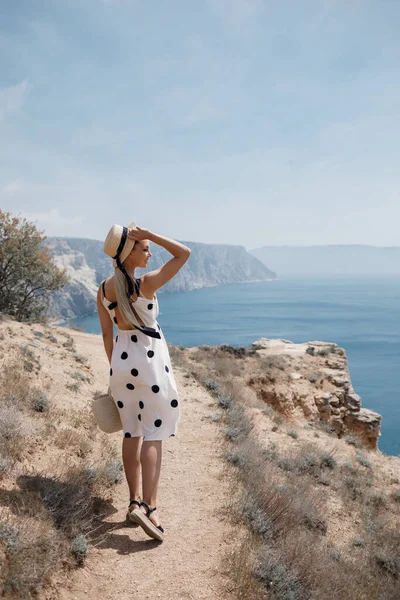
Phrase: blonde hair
(123, 289)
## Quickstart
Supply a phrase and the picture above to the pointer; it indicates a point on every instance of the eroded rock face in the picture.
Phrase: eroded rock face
(312, 380)
(365, 424)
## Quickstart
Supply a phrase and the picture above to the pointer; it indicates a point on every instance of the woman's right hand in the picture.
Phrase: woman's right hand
(137, 233)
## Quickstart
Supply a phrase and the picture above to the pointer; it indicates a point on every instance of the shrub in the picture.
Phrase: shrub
(80, 358)
(27, 270)
(113, 472)
(74, 387)
(327, 460)
(293, 434)
(78, 376)
(79, 548)
(68, 499)
(224, 401)
(236, 351)
(352, 440)
(310, 350)
(40, 402)
(323, 352)
(279, 582)
(363, 460)
(211, 385)
(237, 459)
(31, 552)
(314, 522)
(256, 517)
(14, 430)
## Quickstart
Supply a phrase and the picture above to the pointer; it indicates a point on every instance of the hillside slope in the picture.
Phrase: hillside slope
(258, 497)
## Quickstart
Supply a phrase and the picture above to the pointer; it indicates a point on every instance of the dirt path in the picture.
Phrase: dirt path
(188, 564)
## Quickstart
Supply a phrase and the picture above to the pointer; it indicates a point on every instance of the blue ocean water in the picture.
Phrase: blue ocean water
(362, 315)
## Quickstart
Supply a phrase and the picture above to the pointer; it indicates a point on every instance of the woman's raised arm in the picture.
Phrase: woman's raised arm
(156, 279)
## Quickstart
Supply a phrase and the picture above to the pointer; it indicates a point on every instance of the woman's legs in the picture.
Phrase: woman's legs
(150, 458)
(131, 448)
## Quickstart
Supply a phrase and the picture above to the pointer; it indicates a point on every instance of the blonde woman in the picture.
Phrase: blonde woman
(141, 378)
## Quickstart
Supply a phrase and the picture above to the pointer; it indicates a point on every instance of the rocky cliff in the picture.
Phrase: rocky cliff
(87, 266)
(312, 380)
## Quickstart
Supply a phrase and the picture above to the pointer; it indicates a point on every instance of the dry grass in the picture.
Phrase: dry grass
(49, 521)
(32, 551)
(74, 441)
(282, 501)
(49, 518)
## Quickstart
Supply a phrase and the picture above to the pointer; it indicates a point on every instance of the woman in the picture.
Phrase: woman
(141, 378)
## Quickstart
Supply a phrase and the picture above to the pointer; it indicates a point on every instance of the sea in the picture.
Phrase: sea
(360, 314)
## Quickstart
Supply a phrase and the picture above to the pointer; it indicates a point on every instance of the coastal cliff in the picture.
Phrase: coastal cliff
(87, 265)
(312, 380)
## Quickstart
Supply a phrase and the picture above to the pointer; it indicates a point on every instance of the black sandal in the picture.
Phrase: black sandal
(129, 513)
(154, 531)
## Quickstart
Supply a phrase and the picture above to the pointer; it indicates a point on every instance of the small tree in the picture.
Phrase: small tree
(27, 270)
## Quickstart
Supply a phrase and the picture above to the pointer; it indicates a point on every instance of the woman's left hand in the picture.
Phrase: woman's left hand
(137, 233)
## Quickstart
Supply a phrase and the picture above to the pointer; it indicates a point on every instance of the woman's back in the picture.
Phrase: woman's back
(146, 308)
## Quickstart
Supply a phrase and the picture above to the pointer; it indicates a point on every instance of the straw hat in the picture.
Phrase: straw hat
(117, 244)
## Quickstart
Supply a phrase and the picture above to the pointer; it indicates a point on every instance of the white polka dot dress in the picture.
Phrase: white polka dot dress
(142, 382)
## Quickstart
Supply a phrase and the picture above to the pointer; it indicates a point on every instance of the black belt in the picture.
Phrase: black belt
(150, 331)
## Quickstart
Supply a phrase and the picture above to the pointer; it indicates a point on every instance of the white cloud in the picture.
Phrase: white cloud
(12, 99)
(52, 220)
(12, 188)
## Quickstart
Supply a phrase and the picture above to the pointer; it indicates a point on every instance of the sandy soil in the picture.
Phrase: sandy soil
(187, 565)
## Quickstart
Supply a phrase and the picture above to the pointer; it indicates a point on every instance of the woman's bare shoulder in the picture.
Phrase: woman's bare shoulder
(146, 288)
(109, 288)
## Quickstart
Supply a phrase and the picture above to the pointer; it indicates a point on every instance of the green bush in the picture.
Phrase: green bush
(27, 271)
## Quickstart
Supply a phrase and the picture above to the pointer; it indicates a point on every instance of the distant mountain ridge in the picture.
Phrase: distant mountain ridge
(328, 260)
(87, 266)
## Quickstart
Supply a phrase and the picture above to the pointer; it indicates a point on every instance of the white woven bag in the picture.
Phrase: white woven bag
(106, 413)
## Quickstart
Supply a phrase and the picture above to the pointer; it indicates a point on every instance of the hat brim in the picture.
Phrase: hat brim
(127, 248)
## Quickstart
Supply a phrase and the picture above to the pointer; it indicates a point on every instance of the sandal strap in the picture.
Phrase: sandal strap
(134, 502)
(148, 508)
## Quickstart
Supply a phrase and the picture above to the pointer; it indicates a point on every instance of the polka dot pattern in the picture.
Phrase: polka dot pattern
(141, 377)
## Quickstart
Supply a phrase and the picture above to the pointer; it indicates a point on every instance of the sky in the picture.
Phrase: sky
(252, 122)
